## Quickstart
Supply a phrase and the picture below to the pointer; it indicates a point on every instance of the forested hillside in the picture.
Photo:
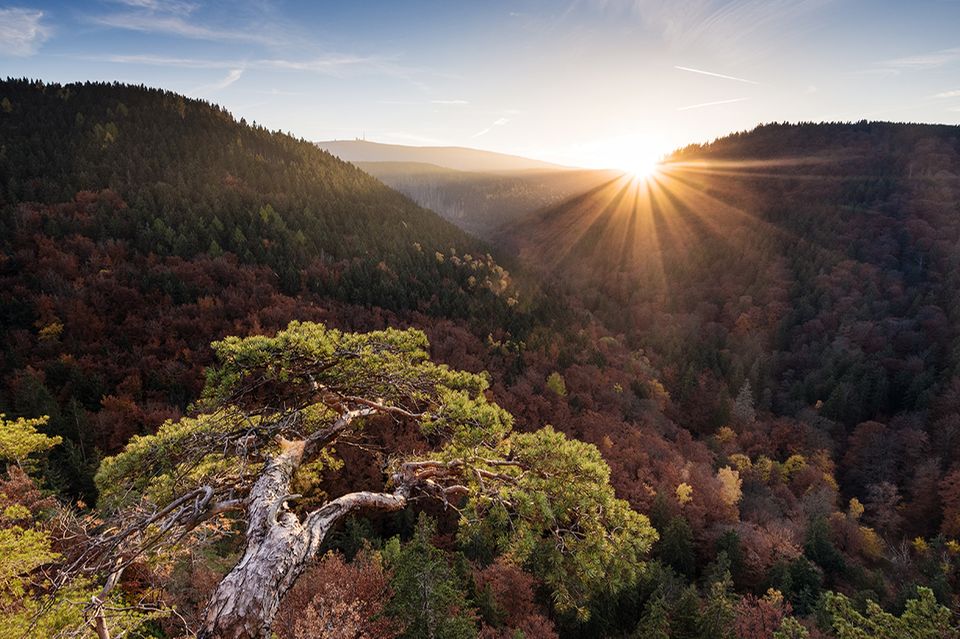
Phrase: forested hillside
(748, 364)
(192, 180)
(138, 225)
(808, 271)
(815, 262)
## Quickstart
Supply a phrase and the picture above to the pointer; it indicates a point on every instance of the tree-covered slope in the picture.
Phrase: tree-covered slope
(760, 342)
(193, 180)
(816, 261)
(136, 226)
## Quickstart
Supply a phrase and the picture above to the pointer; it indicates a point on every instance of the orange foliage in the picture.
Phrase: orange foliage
(339, 600)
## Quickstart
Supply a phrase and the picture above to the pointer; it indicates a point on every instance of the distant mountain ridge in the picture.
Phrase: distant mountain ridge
(450, 157)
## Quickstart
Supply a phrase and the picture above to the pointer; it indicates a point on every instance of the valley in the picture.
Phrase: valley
(747, 362)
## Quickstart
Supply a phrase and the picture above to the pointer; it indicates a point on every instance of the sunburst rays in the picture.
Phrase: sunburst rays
(637, 231)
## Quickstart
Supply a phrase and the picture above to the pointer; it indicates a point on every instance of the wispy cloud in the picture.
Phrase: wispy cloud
(496, 123)
(720, 21)
(710, 104)
(161, 6)
(421, 103)
(332, 64)
(949, 94)
(918, 62)
(266, 34)
(716, 75)
(879, 72)
(232, 77)
(162, 61)
(179, 26)
(923, 61)
(22, 31)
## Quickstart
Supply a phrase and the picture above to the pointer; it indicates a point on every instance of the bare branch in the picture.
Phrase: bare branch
(319, 521)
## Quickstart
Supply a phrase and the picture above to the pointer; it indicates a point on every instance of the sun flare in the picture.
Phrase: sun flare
(637, 156)
(643, 168)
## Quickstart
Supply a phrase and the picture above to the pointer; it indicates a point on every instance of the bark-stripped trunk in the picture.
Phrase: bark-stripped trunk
(278, 549)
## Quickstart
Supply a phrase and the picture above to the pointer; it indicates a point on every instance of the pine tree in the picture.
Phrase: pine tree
(719, 612)
(685, 615)
(655, 621)
(676, 547)
(923, 618)
(283, 400)
(790, 628)
(428, 597)
(30, 607)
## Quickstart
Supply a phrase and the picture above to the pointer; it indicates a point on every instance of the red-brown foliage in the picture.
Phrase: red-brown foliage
(339, 600)
(513, 593)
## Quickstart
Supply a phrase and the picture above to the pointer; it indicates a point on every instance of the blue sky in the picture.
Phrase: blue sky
(585, 82)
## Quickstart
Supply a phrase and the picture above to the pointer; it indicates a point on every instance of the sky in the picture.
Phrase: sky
(598, 83)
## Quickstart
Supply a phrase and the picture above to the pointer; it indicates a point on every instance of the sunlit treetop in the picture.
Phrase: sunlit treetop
(19, 439)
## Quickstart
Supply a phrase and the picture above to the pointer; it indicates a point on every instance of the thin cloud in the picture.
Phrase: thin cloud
(175, 18)
(710, 104)
(421, 103)
(924, 61)
(325, 64)
(719, 21)
(232, 77)
(873, 73)
(338, 64)
(160, 61)
(716, 75)
(949, 94)
(332, 64)
(175, 25)
(22, 31)
(496, 123)
(161, 6)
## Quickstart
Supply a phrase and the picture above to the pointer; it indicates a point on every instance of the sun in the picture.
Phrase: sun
(635, 157)
(637, 154)
(643, 168)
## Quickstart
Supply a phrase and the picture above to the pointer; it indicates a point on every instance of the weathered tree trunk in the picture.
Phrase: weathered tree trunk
(278, 549)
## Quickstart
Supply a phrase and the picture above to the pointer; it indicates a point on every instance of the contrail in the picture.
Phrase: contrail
(715, 75)
(706, 104)
(499, 122)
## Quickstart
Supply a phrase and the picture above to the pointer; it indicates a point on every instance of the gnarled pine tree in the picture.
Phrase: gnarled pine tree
(275, 405)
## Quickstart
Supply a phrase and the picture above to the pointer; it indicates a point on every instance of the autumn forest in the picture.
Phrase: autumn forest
(249, 390)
